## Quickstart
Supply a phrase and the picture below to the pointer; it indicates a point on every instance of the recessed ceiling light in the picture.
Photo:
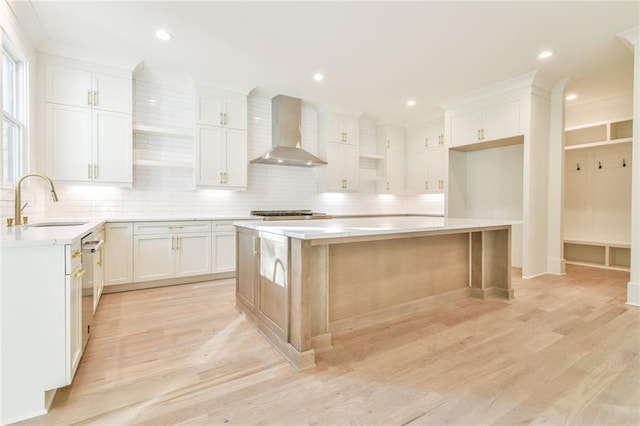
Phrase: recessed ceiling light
(571, 96)
(318, 77)
(545, 54)
(411, 102)
(164, 35)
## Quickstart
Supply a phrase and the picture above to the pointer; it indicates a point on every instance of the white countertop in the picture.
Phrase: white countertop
(356, 227)
(29, 235)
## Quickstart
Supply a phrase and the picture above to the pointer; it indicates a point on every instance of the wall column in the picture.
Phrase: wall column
(633, 287)
(555, 246)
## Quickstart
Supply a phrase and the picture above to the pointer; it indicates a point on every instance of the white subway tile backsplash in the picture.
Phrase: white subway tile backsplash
(169, 190)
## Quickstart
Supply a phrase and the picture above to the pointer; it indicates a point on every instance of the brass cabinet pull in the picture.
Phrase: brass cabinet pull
(441, 139)
(89, 97)
(76, 254)
(95, 171)
(225, 119)
(255, 245)
(221, 119)
(78, 273)
(387, 185)
(95, 97)
(426, 142)
(426, 185)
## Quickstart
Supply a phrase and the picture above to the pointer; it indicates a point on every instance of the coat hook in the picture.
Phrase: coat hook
(578, 166)
(624, 163)
(599, 164)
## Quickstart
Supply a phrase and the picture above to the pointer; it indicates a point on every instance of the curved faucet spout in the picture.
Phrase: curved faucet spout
(18, 195)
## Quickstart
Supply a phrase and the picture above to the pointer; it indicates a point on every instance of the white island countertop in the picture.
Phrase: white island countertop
(369, 226)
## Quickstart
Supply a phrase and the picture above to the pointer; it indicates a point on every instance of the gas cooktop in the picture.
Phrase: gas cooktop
(289, 214)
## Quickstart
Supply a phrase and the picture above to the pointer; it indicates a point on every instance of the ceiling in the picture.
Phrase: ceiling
(375, 56)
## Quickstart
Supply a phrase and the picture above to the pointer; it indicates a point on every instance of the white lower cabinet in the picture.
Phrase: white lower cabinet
(163, 250)
(223, 247)
(118, 253)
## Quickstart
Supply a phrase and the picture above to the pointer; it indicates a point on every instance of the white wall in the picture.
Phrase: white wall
(170, 192)
(606, 109)
(11, 29)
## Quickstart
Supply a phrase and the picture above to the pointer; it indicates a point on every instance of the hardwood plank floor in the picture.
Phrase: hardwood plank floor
(565, 351)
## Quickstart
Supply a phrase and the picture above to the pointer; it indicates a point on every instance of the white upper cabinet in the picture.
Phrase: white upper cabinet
(391, 145)
(425, 158)
(339, 128)
(494, 118)
(222, 158)
(87, 122)
(83, 88)
(221, 108)
(339, 138)
(221, 139)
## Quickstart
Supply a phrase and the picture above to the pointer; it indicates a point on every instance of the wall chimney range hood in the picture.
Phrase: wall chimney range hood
(286, 131)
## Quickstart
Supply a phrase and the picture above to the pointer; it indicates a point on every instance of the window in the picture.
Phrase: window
(13, 114)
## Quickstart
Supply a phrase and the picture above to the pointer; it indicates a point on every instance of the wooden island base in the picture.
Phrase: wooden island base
(298, 292)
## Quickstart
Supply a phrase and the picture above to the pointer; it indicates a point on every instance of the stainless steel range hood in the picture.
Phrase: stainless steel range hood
(286, 122)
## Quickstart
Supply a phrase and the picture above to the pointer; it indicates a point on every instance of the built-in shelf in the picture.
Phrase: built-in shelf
(371, 156)
(597, 134)
(369, 175)
(610, 255)
(163, 163)
(164, 131)
(596, 144)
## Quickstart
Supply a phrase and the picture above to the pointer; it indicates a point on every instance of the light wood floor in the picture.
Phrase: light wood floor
(565, 351)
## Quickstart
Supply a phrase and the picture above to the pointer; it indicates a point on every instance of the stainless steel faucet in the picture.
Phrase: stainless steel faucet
(18, 196)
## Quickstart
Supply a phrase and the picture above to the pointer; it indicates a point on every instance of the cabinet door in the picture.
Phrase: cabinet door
(112, 93)
(210, 165)
(235, 158)
(351, 132)
(153, 257)
(465, 125)
(68, 86)
(395, 138)
(235, 110)
(436, 178)
(224, 251)
(501, 119)
(68, 136)
(118, 256)
(192, 254)
(223, 109)
(97, 260)
(417, 171)
(248, 272)
(209, 110)
(74, 316)
(395, 172)
(113, 150)
(435, 134)
(351, 166)
(334, 168)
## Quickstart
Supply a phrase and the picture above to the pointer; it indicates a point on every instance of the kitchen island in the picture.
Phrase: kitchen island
(300, 281)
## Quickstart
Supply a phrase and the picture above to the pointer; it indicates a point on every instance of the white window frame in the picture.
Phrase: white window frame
(20, 118)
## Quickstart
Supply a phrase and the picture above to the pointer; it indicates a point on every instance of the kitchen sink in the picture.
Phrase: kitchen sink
(51, 224)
